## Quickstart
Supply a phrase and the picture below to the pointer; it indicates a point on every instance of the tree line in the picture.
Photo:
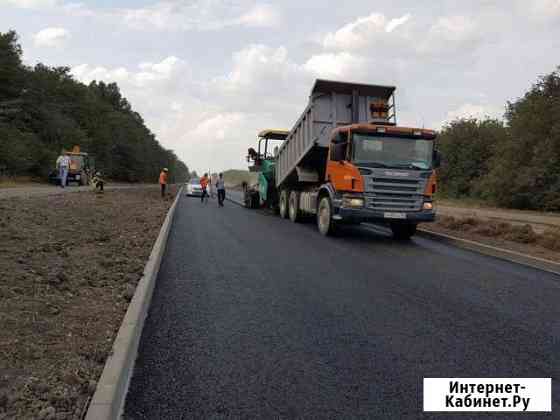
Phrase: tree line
(44, 110)
(514, 162)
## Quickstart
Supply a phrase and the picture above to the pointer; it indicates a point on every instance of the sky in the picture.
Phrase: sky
(208, 75)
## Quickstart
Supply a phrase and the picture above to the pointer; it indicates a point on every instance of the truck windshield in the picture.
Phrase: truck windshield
(372, 150)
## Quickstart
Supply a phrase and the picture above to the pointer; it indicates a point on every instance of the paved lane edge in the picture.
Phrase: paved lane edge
(108, 400)
(492, 251)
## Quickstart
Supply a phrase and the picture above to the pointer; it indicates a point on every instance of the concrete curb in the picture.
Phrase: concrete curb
(492, 251)
(108, 401)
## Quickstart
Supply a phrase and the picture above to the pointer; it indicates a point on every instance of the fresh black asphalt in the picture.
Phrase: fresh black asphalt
(256, 317)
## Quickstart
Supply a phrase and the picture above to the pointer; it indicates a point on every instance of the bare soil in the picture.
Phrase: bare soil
(69, 266)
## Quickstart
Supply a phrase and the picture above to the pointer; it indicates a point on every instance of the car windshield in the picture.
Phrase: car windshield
(391, 152)
(195, 181)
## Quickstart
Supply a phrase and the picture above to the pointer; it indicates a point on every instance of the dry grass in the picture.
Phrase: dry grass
(12, 182)
(523, 234)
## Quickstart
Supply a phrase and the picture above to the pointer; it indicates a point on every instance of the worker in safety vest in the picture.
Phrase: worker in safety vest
(204, 184)
(163, 181)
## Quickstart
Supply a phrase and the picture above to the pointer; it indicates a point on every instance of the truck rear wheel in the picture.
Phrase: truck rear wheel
(403, 231)
(325, 222)
(284, 204)
(293, 206)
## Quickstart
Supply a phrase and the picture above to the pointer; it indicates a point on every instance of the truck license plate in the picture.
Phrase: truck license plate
(77, 177)
(394, 215)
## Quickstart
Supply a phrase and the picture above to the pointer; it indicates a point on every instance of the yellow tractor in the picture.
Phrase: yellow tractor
(81, 169)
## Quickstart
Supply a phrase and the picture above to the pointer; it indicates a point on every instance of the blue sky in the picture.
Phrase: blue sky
(207, 75)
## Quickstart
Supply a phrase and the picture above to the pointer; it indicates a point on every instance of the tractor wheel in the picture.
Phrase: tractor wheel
(293, 206)
(255, 200)
(284, 204)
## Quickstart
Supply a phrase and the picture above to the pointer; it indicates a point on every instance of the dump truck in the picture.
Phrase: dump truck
(346, 161)
(81, 168)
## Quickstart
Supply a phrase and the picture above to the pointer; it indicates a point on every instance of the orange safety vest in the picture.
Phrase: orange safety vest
(204, 182)
(162, 178)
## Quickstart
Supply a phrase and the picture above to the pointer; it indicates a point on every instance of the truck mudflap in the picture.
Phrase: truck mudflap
(365, 215)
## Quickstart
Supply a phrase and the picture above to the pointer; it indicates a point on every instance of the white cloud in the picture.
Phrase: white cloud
(168, 15)
(450, 34)
(394, 23)
(540, 9)
(86, 73)
(261, 15)
(198, 15)
(217, 127)
(51, 37)
(478, 111)
(31, 4)
(255, 64)
(340, 66)
(148, 74)
(262, 75)
(363, 32)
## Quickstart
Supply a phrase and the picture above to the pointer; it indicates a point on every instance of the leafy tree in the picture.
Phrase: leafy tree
(513, 164)
(10, 66)
(526, 168)
(467, 146)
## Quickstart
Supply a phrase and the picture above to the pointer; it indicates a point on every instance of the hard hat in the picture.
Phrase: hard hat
(165, 170)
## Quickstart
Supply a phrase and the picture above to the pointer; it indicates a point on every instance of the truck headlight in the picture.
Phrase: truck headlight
(428, 205)
(355, 202)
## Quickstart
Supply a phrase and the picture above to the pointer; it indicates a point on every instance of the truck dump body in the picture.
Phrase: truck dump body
(331, 104)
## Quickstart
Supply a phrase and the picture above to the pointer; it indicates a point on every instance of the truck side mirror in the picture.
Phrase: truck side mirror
(436, 159)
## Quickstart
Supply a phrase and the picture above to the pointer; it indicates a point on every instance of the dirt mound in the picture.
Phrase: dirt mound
(69, 267)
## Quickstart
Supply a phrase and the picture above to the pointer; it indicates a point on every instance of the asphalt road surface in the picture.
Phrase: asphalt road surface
(256, 317)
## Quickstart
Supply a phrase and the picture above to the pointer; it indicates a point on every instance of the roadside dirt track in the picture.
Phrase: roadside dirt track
(69, 264)
(34, 190)
(539, 221)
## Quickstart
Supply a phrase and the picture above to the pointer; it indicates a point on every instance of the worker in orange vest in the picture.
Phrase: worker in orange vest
(204, 184)
(163, 181)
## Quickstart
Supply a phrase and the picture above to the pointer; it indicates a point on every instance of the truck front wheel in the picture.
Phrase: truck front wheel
(284, 204)
(325, 222)
(403, 231)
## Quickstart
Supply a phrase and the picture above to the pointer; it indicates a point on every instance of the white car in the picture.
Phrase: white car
(193, 187)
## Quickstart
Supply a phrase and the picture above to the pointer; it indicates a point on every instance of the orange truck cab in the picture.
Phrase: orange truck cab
(347, 161)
